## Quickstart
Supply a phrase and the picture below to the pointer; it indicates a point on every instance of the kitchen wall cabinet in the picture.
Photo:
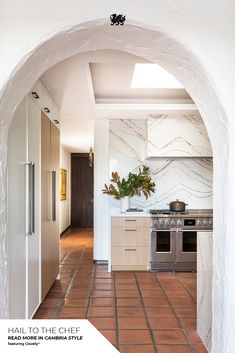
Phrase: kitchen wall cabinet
(130, 243)
(50, 150)
(24, 210)
(177, 135)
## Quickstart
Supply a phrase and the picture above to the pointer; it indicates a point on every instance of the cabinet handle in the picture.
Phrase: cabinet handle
(35, 95)
(130, 220)
(47, 110)
(130, 249)
(53, 196)
(130, 230)
(31, 198)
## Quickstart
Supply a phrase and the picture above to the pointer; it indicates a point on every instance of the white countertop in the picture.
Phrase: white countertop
(118, 213)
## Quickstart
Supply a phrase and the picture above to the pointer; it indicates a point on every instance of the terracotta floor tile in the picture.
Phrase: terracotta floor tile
(185, 311)
(193, 336)
(103, 286)
(125, 280)
(76, 302)
(77, 294)
(163, 323)
(182, 301)
(125, 286)
(131, 312)
(110, 335)
(170, 337)
(129, 302)
(104, 275)
(159, 311)
(174, 349)
(102, 302)
(51, 302)
(132, 323)
(153, 294)
(137, 348)
(103, 323)
(56, 294)
(134, 337)
(199, 348)
(101, 312)
(156, 301)
(177, 293)
(150, 286)
(103, 294)
(188, 323)
(127, 294)
(72, 312)
(104, 280)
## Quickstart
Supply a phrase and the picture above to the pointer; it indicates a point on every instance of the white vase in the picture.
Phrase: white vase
(125, 201)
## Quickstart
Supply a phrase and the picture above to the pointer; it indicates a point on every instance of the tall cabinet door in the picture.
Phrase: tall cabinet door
(17, 158)
(33, 246)
(55, 163)
(23, 210)
(49, 210)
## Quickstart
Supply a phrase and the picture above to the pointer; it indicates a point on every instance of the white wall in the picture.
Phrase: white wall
(65, 206)
(101, 202)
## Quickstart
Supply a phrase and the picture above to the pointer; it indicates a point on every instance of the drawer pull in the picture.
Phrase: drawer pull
(130, 249)
(130, 230)
(130, 220)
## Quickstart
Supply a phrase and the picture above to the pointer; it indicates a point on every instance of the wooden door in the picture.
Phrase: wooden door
(81, 191)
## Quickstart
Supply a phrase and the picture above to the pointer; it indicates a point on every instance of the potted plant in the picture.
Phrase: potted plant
(134, 185)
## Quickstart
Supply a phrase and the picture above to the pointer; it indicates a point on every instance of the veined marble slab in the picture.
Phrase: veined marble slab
(187, 179)
(204, 286)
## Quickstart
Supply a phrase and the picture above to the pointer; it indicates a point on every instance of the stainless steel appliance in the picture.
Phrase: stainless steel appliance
(174, 238)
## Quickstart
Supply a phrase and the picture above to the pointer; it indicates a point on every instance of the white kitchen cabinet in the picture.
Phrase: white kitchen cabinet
(177, 135)
(24, 210)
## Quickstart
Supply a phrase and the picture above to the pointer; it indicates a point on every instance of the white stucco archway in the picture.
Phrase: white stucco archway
(156, 46)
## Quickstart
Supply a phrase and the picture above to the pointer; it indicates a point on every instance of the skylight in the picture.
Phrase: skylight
(153, 76)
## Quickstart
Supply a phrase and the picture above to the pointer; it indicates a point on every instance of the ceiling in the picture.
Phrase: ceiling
(96, 84)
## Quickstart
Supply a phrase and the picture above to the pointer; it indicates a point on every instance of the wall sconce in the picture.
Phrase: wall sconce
(91, 157)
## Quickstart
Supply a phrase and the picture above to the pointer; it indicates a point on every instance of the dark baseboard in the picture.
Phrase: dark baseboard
(64, 231)
(100, 262)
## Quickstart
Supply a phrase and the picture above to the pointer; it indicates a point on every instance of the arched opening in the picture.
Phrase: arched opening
(153, 45)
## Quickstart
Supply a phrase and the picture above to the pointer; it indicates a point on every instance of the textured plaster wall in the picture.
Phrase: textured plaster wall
(194, 40)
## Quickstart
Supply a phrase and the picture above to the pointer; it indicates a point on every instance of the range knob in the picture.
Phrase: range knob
(173, 223)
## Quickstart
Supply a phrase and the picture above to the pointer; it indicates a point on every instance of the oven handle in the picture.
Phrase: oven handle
(165, 229)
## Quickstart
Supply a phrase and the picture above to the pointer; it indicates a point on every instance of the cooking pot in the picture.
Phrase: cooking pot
(177, 206)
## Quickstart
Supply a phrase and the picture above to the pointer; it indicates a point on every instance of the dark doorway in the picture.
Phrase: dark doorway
(81, 190)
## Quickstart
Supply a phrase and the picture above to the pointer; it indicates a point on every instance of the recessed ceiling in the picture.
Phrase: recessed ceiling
(113, 82)
(79, 84)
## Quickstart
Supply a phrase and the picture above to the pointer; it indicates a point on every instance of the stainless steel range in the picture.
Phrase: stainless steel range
(174, 238)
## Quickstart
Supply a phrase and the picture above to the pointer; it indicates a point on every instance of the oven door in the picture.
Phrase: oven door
(163, 246)
(187, 246)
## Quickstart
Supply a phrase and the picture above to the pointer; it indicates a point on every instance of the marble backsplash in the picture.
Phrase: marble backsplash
(187, 179)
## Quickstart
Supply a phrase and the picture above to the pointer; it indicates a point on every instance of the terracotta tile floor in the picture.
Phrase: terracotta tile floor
(138, 312)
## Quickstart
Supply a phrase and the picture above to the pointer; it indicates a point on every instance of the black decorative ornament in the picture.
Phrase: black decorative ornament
(117, 19)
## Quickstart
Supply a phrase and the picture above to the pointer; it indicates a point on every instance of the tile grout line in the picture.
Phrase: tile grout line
(146, 317)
